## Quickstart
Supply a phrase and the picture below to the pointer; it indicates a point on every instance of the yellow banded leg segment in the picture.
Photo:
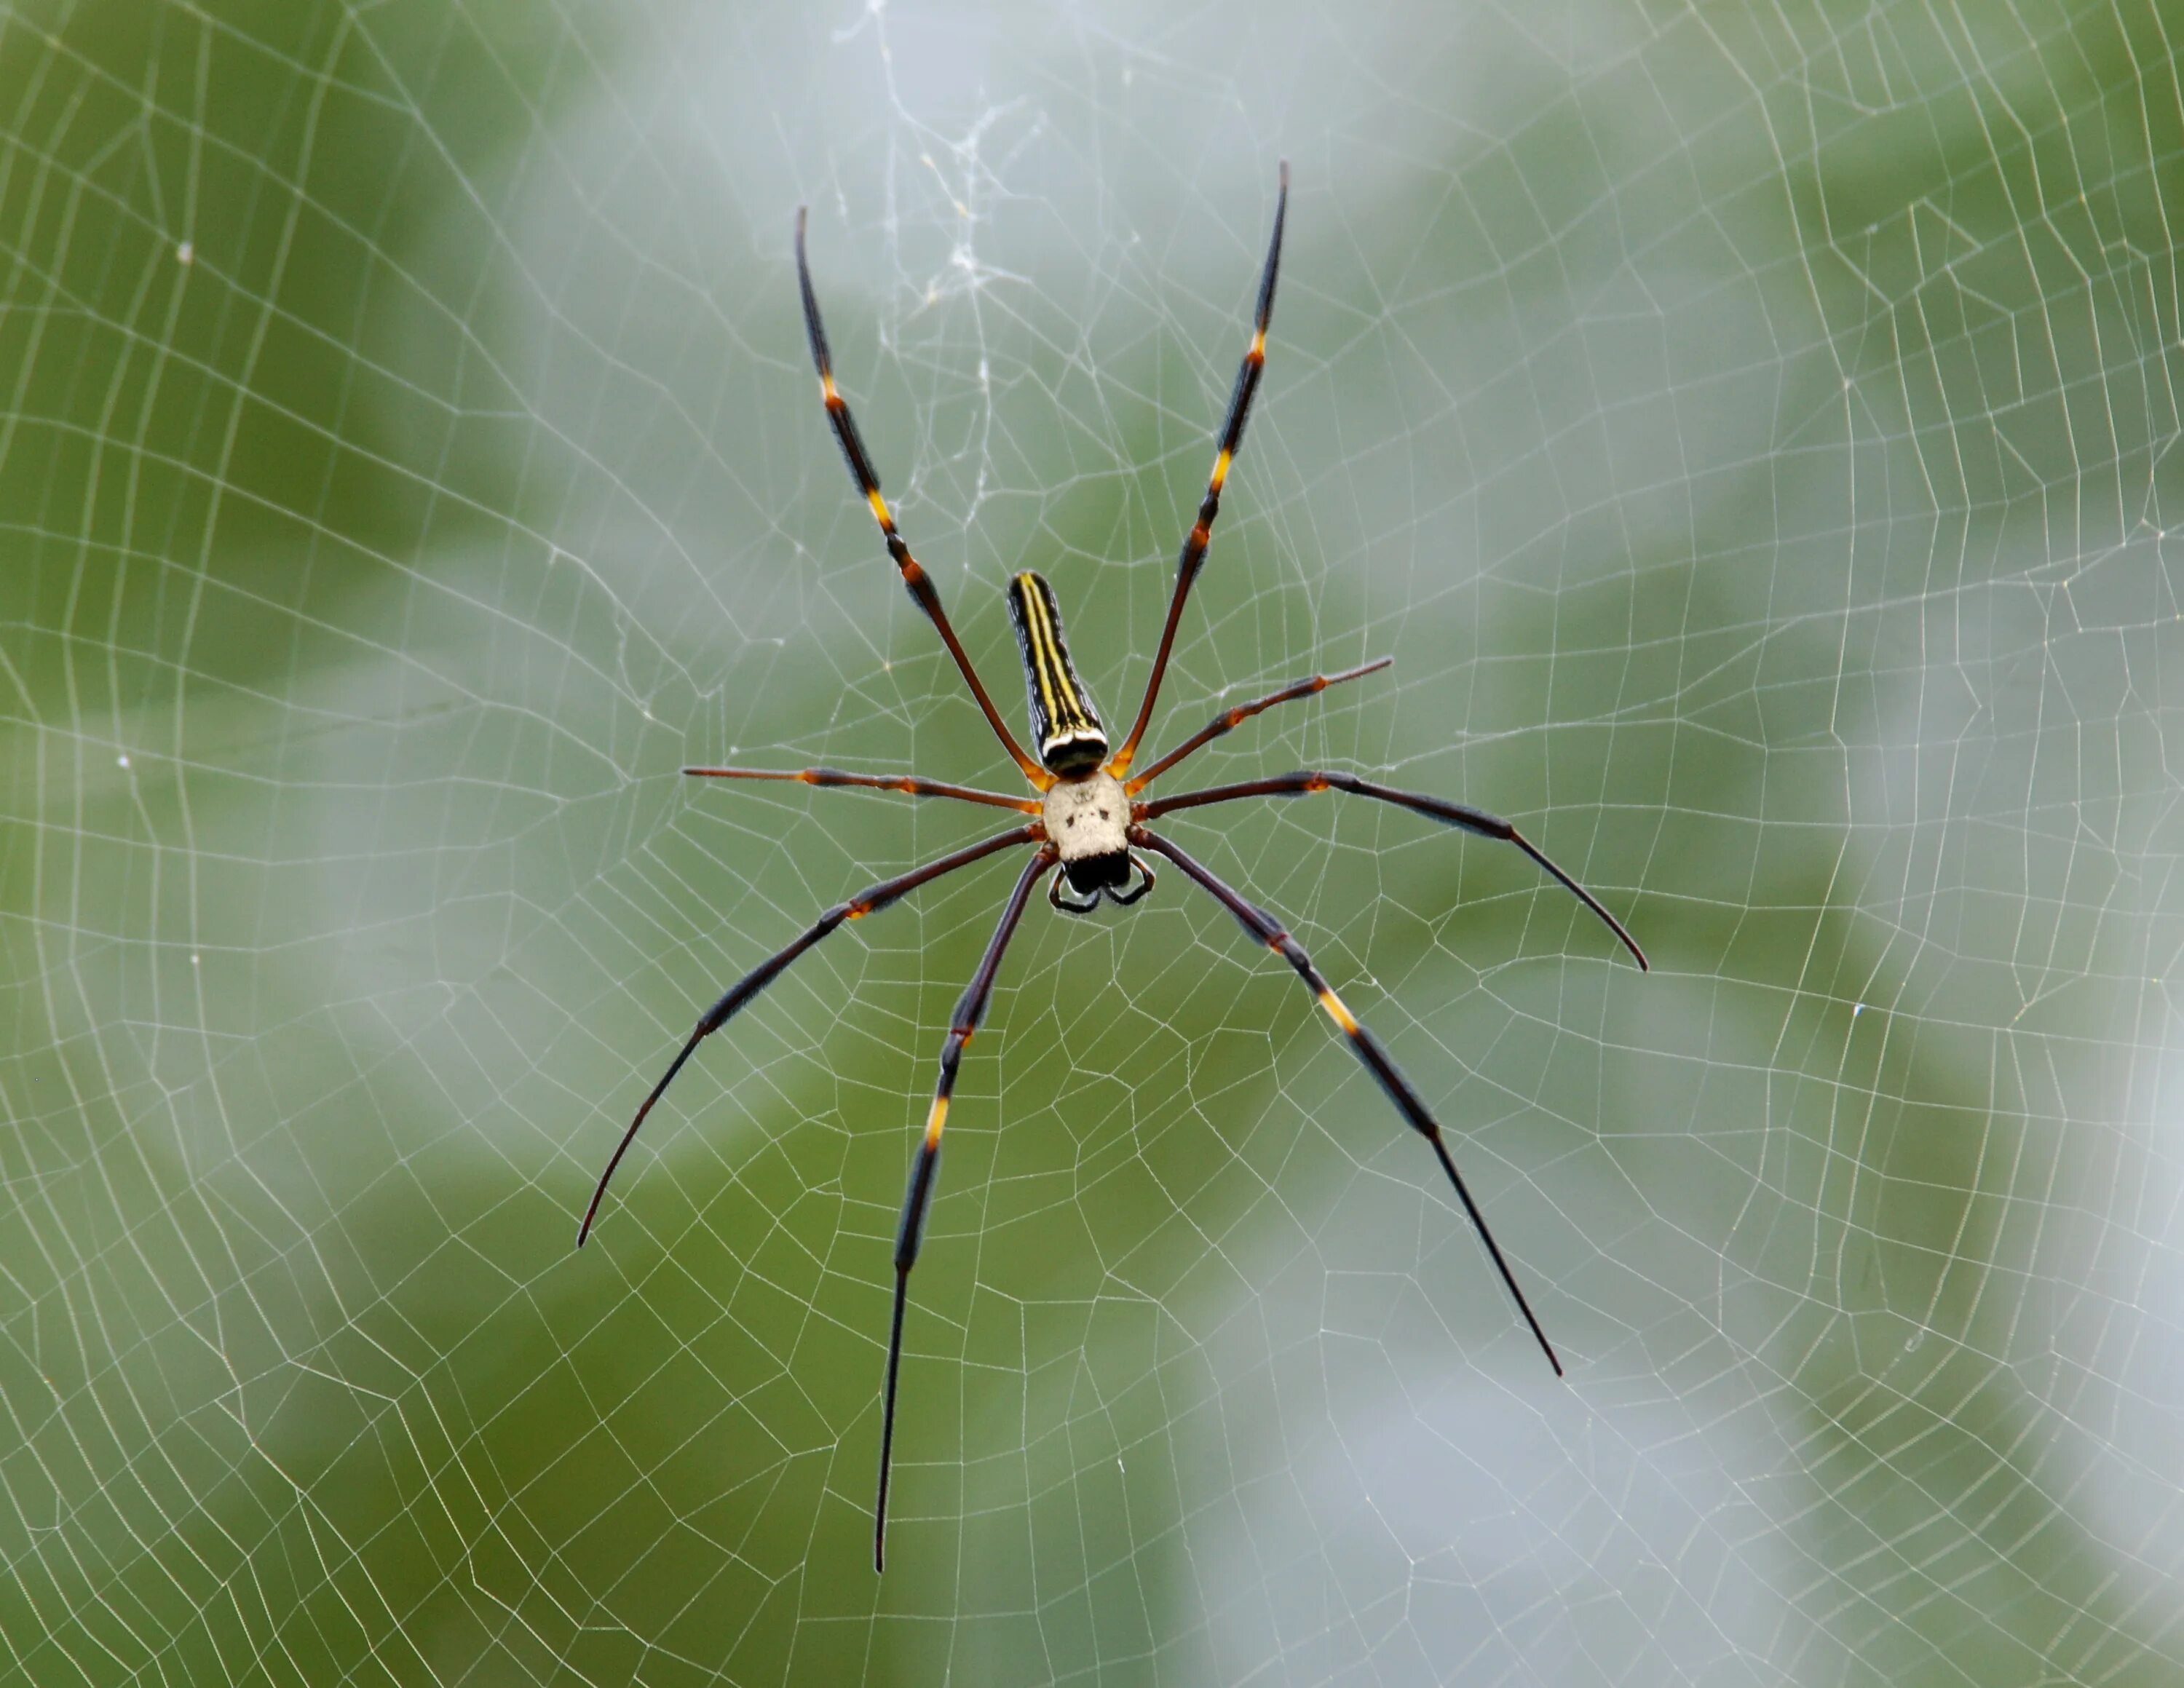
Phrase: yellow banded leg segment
(1340, 1015)
(1266, 930)
(970, 1011)
(867, 480)
(745, 991)
(1458, 814)
(1231, 439)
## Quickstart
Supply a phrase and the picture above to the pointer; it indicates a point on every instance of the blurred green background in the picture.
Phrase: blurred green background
(1753, 431)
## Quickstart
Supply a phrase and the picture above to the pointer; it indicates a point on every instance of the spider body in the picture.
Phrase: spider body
(1085, 813)
(1086, 824)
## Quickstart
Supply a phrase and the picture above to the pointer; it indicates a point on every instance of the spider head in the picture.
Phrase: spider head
(1072, 740)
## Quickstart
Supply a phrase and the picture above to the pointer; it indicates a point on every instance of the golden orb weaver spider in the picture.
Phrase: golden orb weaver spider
(1087, 821)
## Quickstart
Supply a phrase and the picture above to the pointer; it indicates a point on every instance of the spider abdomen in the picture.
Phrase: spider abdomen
(1072, 740)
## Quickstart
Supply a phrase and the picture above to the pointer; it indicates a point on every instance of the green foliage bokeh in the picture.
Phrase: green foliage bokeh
(1752, 433)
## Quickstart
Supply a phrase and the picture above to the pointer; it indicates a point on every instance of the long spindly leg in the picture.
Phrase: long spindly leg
(1193, 557)
(906, 782)
(1265, 929)
(1229, 719)
(740, 994)
(1433, 808)
(867, 478)
(970, 1010)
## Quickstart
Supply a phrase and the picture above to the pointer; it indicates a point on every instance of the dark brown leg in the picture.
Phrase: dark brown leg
(1230, 720)
(970, 1011)
(905, 782)
(922, 590)
(1264, 928)
(740, 995)
(1433, 808)
(1193, 557)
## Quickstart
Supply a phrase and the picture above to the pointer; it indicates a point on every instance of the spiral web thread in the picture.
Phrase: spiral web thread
(1754, 437)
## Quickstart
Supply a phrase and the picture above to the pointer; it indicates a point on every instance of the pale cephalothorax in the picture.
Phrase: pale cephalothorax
(1088, 822)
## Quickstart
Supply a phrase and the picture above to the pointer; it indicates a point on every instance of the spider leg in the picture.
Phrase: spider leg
(741, 993)
(1054, 896)
(1232, 719)
(911, 783)
(1146, 880)
(922, 590)
(1263, 928)
(1433, 808)
(970, 1010)
(1193, 557)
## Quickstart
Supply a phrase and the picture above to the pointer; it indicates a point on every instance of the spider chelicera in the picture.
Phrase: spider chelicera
(1089, 821)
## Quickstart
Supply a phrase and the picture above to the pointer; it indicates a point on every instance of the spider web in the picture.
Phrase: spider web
(1753, 433)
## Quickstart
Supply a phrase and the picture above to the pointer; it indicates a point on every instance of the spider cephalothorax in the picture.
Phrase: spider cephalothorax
(1086, 824)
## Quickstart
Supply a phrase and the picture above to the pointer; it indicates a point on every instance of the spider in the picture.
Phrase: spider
(1089, 821)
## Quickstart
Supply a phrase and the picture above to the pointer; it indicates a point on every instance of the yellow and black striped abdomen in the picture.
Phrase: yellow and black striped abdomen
(1072, 738)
